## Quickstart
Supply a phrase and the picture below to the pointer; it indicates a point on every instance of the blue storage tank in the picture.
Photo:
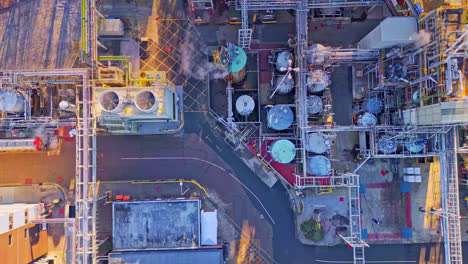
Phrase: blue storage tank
(319, 165)
(280, 117)
(373, 106)
(387, 145)
(415, 145)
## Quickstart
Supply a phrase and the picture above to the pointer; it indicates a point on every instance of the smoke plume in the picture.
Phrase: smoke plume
(422, 38)
(195, 64)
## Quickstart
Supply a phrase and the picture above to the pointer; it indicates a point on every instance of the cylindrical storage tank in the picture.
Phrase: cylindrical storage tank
(13, 145)
(67, 106)
(317, 143)
(111, 102)
(284, 84)
(314, 104)
(245, 105)
(146, 101)
(315, 57)
(280, 117)
(415, 145)
(373, 106)
(317, 81)
(238, 64)
(284, 60)
(367, 119)
(387, 145)
(319, 165)
(283, 151)
(11, 101)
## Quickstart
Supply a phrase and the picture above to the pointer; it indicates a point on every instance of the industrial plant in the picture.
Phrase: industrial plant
(233, 131)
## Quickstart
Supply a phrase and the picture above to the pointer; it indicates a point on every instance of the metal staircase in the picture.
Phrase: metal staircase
(85, 195)
(450, 198)
(354, 238)
(245, 33)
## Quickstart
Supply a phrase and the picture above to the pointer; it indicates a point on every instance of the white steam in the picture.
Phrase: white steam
(195, 65)
(422, 38)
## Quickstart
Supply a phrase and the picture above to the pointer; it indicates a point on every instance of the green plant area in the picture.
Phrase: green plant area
(312, 230)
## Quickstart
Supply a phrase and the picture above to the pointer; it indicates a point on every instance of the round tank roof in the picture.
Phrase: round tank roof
(319, 165)
(415, 145)
(280, 117)
(373, 105)
(245, 105)
(367, 119)
(11, 101)
(238, 59)
(283, 60)
(317, 143)
(386, 145)
(314, 104)
(285, 83)
(283, 151)
(146, 101)
(316, 58)
(317, 81)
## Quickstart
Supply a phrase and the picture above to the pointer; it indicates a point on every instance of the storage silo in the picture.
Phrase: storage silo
(146, 101)
(67, 106)
(238, 63)
(415, 145)
(283, 151)
(314, 104)
(317, 143)
(316, 57)
(111, 102)
(317, 81)
(245, 105)
(387, 144)
(319, 165)
(284, 60)
(11, 101)
(280, 117)
(284, 84)
(373, 106)
(367, 119)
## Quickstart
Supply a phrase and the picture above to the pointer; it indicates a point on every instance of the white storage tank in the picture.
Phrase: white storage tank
(245, 105)
(317, 143)
(314, 104)
(67, 106)
(317, 81)
(284, 60)
(11, 101)
(146, 101)
(319, 165)
(284, 84)
(111, 102)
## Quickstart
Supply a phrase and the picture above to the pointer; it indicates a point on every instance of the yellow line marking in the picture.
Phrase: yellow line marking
(220, 149)
(207, 137)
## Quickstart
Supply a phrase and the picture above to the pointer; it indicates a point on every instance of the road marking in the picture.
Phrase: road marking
(220, 149)
(207, 137)
(368, 261)
(213, 164)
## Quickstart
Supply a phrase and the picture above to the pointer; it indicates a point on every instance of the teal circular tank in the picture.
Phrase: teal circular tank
(283, 151)
(238, 59)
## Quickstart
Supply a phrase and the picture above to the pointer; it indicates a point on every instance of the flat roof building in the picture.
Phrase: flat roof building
(150, 225)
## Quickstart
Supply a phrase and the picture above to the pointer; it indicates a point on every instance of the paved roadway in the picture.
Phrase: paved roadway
(286, 248)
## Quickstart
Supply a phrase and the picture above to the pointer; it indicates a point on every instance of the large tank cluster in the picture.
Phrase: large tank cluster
(388, 144)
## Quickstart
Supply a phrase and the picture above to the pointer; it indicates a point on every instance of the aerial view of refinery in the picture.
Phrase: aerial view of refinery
(233, 131)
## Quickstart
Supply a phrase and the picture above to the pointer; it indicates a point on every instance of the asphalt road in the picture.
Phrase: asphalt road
(286, 248)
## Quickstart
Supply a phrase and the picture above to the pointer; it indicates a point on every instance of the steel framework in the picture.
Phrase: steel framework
(450, 197)
(257, 5)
